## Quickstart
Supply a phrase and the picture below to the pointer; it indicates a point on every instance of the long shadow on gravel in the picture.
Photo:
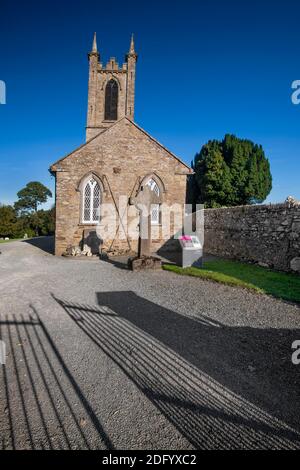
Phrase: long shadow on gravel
(43, 243)
(44, 407)
(221, 387)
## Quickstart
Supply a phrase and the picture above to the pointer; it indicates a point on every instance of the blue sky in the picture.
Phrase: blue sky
(205, 68)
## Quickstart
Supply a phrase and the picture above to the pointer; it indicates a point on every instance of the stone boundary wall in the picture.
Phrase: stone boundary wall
(265, 234)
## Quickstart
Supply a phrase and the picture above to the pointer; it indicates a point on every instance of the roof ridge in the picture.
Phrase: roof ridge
(85, 143)
(110, 127)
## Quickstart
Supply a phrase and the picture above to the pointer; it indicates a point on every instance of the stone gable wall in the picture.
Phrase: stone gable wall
(121, 157)
(267, 234)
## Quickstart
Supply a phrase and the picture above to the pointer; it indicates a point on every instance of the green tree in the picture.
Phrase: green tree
(8, 221)
(31, 197)
(231, 172)
(23, 227)
(42, 222)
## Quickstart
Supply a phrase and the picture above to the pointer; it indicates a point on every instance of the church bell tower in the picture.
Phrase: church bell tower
(111, 90)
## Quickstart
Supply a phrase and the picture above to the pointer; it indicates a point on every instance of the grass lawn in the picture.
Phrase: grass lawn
(283, 285)
(11, 240)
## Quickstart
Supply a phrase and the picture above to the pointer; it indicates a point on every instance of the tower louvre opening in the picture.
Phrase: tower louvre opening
(111, 101)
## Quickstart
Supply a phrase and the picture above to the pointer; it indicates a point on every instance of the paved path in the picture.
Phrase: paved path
(100, 357)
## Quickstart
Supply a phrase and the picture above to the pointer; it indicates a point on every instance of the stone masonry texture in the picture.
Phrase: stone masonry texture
(120, 157)
(265, 234)
(99, 76)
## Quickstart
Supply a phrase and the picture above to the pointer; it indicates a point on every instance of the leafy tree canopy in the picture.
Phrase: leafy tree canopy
(14, 225)
(231, 172)
(31, 197)
(8, 220)
(24, 217)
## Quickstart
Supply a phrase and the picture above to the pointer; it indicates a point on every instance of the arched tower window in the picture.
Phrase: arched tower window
(91, 202)
(155, 209)
(111, 101)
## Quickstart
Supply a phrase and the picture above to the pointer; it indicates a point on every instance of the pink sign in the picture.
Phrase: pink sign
(186, 238)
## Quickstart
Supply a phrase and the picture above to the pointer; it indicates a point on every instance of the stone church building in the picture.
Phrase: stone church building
(116, 160)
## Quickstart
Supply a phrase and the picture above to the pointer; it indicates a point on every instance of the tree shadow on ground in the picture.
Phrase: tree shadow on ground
(43, 243)
(221, 387)
(45, 407)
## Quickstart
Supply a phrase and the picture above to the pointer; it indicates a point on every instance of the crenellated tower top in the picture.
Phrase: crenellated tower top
(111, 91)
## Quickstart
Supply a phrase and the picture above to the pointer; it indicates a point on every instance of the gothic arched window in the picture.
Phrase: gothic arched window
(155, 209)
(91, 199)
(111, 101)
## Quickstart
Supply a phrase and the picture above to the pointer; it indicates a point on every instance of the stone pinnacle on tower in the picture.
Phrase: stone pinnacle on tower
(94, 52)
(131, 49)
(94, 49)
(132, 52)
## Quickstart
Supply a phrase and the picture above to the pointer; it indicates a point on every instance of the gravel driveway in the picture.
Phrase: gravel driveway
(100, 357)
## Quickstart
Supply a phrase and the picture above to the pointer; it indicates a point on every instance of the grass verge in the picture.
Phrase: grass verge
(261, 280)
